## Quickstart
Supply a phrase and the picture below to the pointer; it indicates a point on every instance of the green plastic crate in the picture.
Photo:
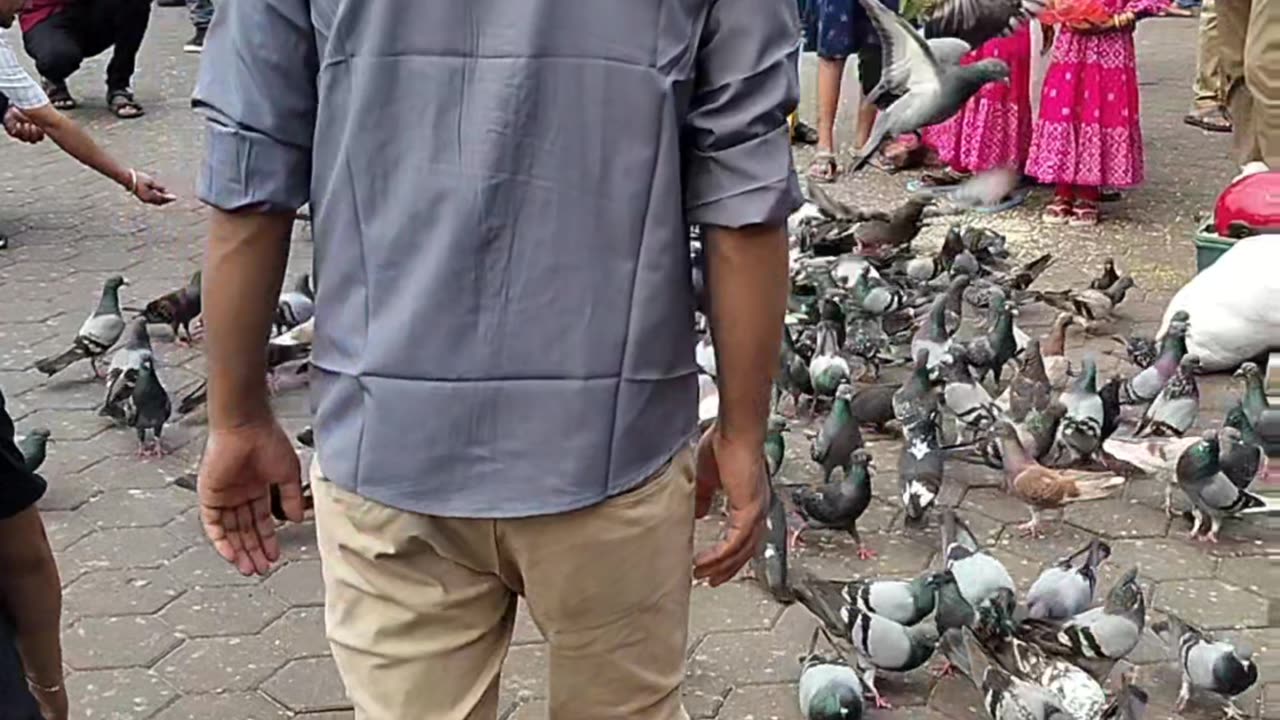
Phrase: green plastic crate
(1210, 246)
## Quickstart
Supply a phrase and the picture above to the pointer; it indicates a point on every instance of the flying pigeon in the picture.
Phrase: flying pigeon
(1064, 590)
(96, 336)
(770, 564)
(1209, 665)
(977, 21)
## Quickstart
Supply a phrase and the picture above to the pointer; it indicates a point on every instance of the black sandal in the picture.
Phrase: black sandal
(59, 96)
(123, 104)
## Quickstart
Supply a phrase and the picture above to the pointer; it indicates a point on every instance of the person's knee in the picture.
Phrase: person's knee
(57, 60)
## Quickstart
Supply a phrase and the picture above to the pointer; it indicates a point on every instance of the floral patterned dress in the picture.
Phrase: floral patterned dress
(1088, 132)
(994, 128)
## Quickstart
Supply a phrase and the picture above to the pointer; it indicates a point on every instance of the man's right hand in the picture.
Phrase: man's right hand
(20, 127)
(738, 470)
(239, 467)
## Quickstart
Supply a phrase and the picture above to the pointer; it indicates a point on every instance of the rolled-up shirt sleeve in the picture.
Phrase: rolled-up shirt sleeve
(739, 170)
(257, 91)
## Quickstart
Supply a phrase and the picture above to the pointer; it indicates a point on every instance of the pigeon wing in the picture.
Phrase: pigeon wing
(908, 64)
(977, 21)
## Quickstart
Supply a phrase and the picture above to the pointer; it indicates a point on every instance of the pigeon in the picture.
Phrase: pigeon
(872, 405)
(148, 408)
(296, 305)
(906, 602)
(769, 566)
(34, 446)
(188, 482)
(1130, 703)
(930, 92)
(1041, 488)
(989, 353)
(1064, 590)
(177, 309)
(955, 301)
(708, 401)
(828, 689)
(920, 467)
(1005, 696)
(838, 437)
(889, 646)
(838, 506)
(977, 22)
(828, 369)
(1110, 394)
(874, 297)
(1154, 456)
(1080, 432)
(1096, 638)
(1208, 665)
(290, 346)
(96, 336)
(1212, 494)
(122, 374)
(978, 575)
(1146, 385)
(882, 238)
(917, 398)
(306, 437)
(1139, 349)
(1030, 386)
(704, 353)
(1175, 408)
(1241, 458)
(932, 337)
(1053, 351)
(866, 339)
(965, 398)
(793, 373)
(1253, 399)
(1107, 277)
(1092, 307)
(775, 446)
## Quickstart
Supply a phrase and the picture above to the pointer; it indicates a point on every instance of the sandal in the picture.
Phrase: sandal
(804, 134)
(123, 104)
(1212, 119)
(1057, 212)
(59, 96)
(824, 169)
(1085, 214)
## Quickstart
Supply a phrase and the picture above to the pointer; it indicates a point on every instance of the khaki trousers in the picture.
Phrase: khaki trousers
(419, 609)
(1208, 87)
(1251, 68)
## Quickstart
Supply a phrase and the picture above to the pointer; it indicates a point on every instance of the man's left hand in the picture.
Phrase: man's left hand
(21, 128)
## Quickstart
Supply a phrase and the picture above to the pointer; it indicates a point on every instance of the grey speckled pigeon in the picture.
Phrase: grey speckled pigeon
(1147, 384)
(1096, 638)
(1175, 408)
(97, 334)
(930, 92)
(965, 398)
(1005, 696)
(1080, 432)
(1208, 665)
(122, 374)
(917, 398)
(1064, 590)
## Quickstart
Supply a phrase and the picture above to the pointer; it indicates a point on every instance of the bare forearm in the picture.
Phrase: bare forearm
(32, 593)
(76, 142)
(748, 279)
(244, 267)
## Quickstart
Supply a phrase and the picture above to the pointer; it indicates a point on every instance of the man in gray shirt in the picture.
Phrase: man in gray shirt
(504, 382)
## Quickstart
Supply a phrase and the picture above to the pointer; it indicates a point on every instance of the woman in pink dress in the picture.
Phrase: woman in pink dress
(994, 128)
(1088, 135)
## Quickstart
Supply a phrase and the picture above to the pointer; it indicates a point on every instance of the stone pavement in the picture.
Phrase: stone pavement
(157, 627)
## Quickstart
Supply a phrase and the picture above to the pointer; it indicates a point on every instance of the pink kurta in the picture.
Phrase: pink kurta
(994, 128)
(1088, 132)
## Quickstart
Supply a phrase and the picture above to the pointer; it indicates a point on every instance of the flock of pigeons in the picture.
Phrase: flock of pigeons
(134, 395)
(862, 300)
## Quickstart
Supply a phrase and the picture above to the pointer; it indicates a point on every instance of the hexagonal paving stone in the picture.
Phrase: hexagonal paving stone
(64, 527)
(68, 457)
(1115, 518)
(298, 584)
(123, 548)
(104, 643)
(298, 633)
(132, 694)
(998, 505)
(756, 656)
(1158, 559)
(67, 494)
(1212, 604)
(1261, 575)
(127, 473)
(308, 685)
(740, 605)
(763, 702)
(201, 566)
(249, 706)
(70, 424)
(834, 556)
(72, 393)
(204, 612)
(122, 592)
(221, 664)
(152, 507)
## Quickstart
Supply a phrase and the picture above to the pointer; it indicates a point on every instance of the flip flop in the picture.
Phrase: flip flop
(59, 96)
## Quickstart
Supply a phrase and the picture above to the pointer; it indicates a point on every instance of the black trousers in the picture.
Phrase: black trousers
(87, 28)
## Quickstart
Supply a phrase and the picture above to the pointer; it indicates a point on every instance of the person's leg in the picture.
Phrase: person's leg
(609, 588)
(121, 24)
(830, 77)
(1233, 32)
(1084, 211)
(417, 618)
(1208, 93)
(55, 46)
(1262, 78)
(201, 13)
(1058, 211)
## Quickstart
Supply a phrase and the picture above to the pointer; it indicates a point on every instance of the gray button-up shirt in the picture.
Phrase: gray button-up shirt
(500, 191)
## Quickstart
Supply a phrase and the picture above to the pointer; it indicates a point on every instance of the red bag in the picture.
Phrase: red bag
(1249, 206)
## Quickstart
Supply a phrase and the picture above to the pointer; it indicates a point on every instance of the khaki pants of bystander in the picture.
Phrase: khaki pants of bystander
(420, 609)
(1250, 44)
(1208, 88)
